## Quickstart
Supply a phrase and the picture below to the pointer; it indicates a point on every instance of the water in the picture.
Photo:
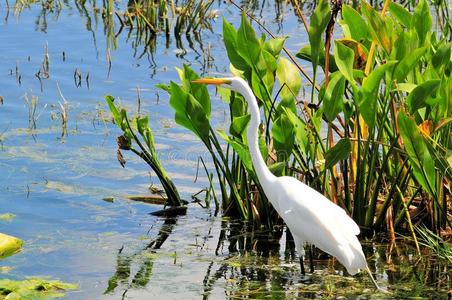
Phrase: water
(55, 183)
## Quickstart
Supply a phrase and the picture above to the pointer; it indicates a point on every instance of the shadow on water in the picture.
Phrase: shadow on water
(145, 257)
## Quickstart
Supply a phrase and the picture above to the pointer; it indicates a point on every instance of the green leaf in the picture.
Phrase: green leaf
(283, 138)
(372, 82)
(144, 130)
(239, 125)
(142, 124)
(230, 42)
(355, 22)
(178, 102)
(114, 111)
(319, 21)
(418, 154)
(340, 151)
(266, 66)
(299, 128)
(378, 29)
(248, 45)
(442, 55)
(422, 21)
(277, 168)
(164, 87)
(189, 113)
(408, 63)
(198, 91)
(241, 150)
(369, 93)
(333, 96)
(274, 46)
(305, 53)
(289, 75)
(344, 57)
(419, 97)
(402, 15)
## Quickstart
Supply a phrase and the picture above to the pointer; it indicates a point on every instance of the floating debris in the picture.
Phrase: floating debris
(7, 217)
(9, 245)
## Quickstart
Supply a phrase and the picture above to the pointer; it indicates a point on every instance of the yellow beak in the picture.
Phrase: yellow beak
(215, 81)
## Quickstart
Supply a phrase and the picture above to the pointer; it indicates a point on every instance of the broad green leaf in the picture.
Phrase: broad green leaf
(164, 87)
(402, 15)
(419, 97)
(197, 116)
(9, 245)
(178, 101)
(143, 128)
(142, 124)
(416, 148)
(372, 82)
(241, 150)
(189, 113)
(266, 66)
(344, 58)
(408, 63)
(239, 125)
(405, 87)
(263, 147)
(283, 138)
(238, 105)
(340, 151)
(230, 42)
(274, 46)
(305, 53)
(333, 96)
(422, 21)
(299, 128)
(198, 91)
(369, 93)
(114, 111)
(289, 76)
(248, 45)
(378, 27)
(278, 168)
(259, 89)
(319, 21)
(442, 55)
(443, 162)
(356, 24)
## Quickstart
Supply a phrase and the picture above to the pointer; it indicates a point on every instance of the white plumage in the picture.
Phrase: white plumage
(309, 215)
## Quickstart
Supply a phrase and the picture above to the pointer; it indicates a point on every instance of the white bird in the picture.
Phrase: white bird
(310, 216)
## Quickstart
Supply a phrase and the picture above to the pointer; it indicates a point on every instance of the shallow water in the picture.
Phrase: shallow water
(55, 183)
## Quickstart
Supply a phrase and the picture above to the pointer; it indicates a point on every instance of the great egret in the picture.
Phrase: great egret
(310, 216)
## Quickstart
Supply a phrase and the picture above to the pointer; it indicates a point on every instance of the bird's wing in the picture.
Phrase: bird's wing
(317, 220)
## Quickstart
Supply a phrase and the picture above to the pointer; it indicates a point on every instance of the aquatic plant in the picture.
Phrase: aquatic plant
(389, 110)
(33, 288)
(138, 134)
(429, 239)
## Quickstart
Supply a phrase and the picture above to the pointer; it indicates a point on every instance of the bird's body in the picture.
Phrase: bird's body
(314, 219)
(309, 215)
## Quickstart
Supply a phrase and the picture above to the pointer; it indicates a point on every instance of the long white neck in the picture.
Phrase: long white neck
(263, 173)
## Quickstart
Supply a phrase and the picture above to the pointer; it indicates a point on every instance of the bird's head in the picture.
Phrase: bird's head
(235, 84)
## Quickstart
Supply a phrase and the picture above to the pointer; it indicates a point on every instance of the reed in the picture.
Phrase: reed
(385, 112)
